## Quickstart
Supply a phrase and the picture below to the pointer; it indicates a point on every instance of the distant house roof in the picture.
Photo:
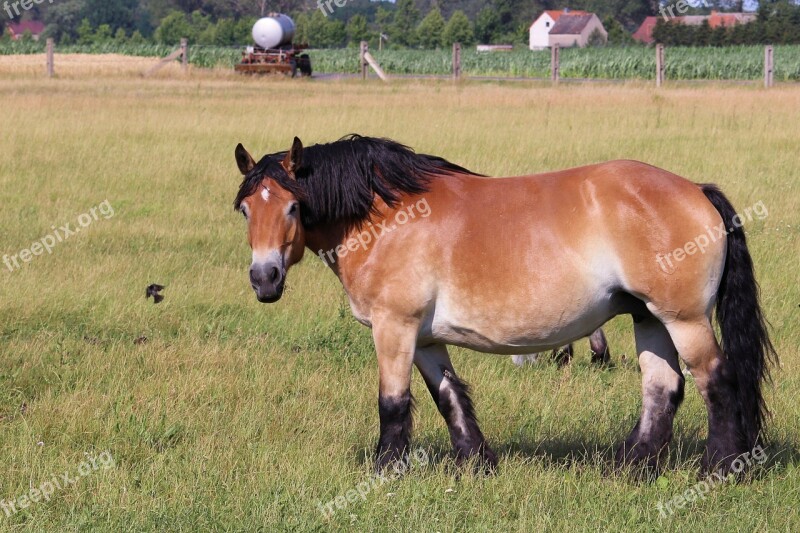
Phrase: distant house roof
(555, 14)
(571, 25)
(715, 20)
(18, 28)
(645, 32)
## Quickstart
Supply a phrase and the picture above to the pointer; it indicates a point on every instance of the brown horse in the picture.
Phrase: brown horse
(431, 254)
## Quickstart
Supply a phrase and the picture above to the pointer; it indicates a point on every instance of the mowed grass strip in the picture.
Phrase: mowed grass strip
(222, 413)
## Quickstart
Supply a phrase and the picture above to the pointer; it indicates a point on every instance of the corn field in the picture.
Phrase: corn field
(634, 62)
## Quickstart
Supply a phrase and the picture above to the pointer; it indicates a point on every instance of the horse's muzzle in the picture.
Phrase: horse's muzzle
(268, 281)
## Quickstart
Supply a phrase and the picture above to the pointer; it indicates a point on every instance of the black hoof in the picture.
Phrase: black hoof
(641, 460)
(484, 462)
(390, 459)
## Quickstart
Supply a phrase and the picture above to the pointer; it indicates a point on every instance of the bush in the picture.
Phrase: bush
(596, 38)
(458, 30)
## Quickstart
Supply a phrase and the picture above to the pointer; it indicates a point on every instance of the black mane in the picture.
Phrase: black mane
(336, 182)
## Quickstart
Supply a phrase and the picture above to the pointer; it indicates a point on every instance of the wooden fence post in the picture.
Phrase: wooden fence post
(554, 63)
(456, 61)
(659, 65)
(185, 54)
(768, 67)
(51, 69)
(363, 60)
(375, 66)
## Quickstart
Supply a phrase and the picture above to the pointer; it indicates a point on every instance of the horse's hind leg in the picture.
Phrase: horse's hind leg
(716, 381)
(599, 346)
(662, 393)
(562, 356)
(452, 398)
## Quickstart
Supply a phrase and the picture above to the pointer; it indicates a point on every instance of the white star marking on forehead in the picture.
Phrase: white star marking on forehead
(265, 194)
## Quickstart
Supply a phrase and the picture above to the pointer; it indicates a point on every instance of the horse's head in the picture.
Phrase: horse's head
(274, 231)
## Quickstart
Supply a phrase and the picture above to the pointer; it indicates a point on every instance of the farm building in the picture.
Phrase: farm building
(715, 20)
(576, 30)
(540, 29)
(17, 30)
(567, 28)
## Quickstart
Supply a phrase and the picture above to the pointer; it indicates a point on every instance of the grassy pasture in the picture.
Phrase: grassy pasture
(224, 414)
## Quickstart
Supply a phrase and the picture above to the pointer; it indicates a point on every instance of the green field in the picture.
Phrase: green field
(634, 62)
(221, 413)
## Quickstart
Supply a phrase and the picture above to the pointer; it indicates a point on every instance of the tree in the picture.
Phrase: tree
(243, 34)
(702, 35)
(62, 19)
(114, 13)
(596, 38)
(225, 32)
(173, 28)
(403, 29)
(322, 32)
(487, 25)
(357, 29)
(137, 38)
(431, 30)
(617, 34)
(120, 36)
(103, 33)
(458, 30)
(85, 32)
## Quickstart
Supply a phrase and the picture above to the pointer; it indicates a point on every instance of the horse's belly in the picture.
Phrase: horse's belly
(523, 331)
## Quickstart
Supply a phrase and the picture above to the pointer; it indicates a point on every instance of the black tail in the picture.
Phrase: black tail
(745, 339)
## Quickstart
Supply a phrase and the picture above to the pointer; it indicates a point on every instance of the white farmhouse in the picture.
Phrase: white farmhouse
(540, 29)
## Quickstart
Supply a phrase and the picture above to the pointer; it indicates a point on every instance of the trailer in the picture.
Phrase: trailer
(274, 51)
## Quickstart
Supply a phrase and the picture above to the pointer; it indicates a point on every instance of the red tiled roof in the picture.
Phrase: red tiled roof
(645, 32)
(555, 14)
(34, 26)
(715, 20)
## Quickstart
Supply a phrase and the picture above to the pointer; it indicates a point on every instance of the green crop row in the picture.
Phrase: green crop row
(635, 62)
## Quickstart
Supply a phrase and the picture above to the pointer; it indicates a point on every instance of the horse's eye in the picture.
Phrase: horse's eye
(293, 209)
(243, 211)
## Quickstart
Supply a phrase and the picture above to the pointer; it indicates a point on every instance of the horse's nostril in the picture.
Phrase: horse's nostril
(274, 274)
(253, 279)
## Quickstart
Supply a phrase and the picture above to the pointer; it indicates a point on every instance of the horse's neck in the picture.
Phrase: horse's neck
(323, 241)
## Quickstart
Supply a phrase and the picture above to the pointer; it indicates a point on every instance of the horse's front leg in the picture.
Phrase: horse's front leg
(395, 341)
(452, 398)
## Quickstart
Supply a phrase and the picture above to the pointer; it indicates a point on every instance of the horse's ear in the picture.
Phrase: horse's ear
(294, 157)
(244, 160)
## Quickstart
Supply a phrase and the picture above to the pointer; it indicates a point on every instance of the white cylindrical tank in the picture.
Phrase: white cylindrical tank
(273, 31)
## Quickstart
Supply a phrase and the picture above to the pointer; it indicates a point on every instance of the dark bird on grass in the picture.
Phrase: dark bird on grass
(153, 291)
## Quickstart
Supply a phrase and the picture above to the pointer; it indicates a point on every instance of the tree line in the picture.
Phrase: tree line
(400, 24)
